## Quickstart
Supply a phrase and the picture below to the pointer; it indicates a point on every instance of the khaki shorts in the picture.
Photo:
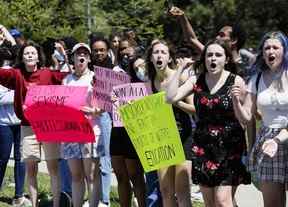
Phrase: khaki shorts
(33, 150)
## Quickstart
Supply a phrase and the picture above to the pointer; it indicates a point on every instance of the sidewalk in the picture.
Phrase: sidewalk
(246, 196)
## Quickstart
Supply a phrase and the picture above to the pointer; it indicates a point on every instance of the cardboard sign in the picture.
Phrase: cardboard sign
(152, 128)
(54, 115)
(58, 95)
(52, 123)
(127, 92)
(105, 80)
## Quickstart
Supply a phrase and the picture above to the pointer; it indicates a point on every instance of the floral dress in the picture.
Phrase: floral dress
(219, 140)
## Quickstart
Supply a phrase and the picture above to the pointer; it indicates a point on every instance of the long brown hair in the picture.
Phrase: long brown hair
(19, 59)
(230, 66)
(150, 67)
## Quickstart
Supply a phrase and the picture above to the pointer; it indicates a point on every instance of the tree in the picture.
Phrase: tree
(39, 19)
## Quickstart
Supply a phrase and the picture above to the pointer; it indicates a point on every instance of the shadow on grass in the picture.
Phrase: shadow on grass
(6, 200)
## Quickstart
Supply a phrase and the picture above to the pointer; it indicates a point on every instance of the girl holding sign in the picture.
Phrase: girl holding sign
(219, 141)
(81, 156)
(29, 71)
(174, 179)
(125, 161)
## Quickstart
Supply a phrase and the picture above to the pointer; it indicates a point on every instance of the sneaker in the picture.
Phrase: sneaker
(134, 202)
(103, 204)
(197, 196)
(65, 199)
(86, 204)
(21, 202)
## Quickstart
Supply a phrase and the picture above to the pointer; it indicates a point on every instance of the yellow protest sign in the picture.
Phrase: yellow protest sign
(152, 128)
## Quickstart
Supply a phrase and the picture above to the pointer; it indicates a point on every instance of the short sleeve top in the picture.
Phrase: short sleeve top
(272, 103)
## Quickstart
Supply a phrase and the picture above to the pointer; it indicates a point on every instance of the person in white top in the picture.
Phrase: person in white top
(83, 158)
(267, 92)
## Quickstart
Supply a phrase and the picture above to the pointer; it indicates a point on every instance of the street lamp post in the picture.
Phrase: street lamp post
(88, 14)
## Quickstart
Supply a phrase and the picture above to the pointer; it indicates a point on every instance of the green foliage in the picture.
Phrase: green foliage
(142, 15)
(39, 19)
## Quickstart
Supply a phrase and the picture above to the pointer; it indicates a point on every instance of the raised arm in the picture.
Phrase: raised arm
(8, 78)
(187, 105)
(174, 93)
(7, 35)
(187, 28)
(244, 103)
(58, 76)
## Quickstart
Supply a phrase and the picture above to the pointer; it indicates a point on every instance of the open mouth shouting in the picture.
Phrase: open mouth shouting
(213, 65)
(271, 58)
(81, 60)
(159, 63)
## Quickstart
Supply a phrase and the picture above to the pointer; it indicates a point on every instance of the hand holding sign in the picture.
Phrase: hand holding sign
(54, 115)
(73, 96)
(126, 94)
(152, 129)
(105, 80)
(59, 124)
(92, 111)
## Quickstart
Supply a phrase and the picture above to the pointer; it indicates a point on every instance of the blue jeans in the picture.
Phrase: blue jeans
(8, 136)
(153, 195)
(105, 161)
(66, 179)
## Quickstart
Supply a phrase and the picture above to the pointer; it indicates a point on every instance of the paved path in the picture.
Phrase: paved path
(246, 196)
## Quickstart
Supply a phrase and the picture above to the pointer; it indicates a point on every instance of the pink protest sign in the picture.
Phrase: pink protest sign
(127, 92)
(105, 80)
(58, 95)
(59, 124)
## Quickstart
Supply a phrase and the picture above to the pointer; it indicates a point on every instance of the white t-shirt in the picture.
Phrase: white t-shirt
(272, 104)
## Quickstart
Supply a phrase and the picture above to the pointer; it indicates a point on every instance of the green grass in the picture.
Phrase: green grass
(7, 192)
(197, 204)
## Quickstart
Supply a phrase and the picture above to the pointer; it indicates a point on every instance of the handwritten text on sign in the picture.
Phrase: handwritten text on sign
(54, 115)
(59, 124)
(152, 129)
(73, 96)
(125, 93)
(105, 80)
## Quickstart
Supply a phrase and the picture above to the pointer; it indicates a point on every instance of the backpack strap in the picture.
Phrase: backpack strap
(257, 81)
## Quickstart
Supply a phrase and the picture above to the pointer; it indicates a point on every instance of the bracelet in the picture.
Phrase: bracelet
(277, 140)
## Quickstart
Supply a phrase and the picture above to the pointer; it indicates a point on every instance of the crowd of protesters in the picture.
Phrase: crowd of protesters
(220, 77)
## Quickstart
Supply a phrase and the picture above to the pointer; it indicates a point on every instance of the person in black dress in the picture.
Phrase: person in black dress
(219, 140)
